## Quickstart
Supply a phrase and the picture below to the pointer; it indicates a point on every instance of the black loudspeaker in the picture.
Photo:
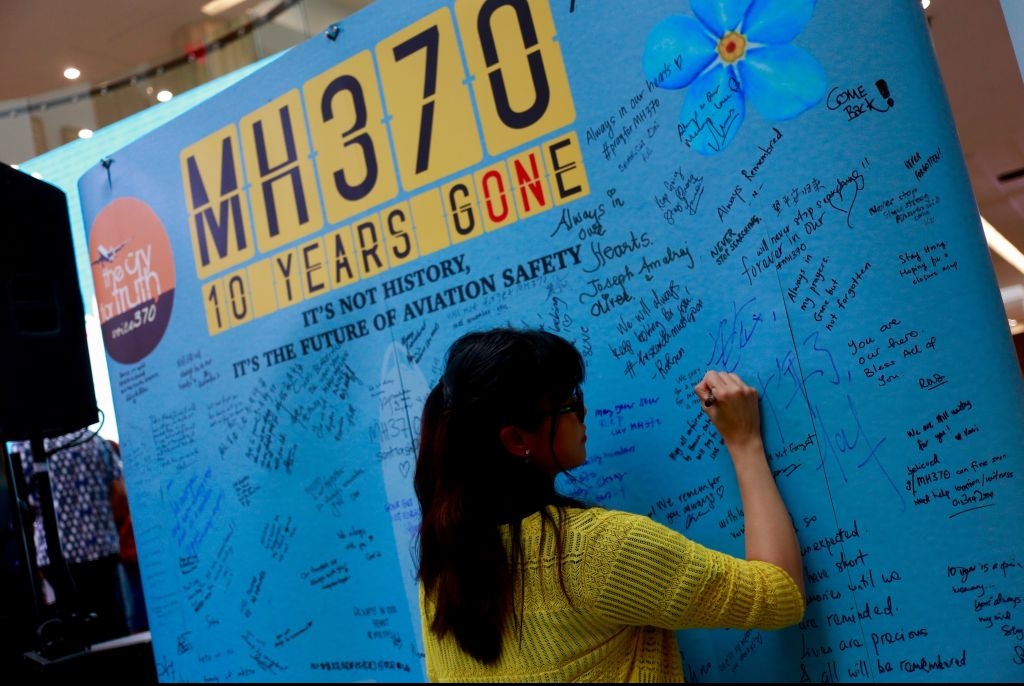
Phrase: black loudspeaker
(46, 385)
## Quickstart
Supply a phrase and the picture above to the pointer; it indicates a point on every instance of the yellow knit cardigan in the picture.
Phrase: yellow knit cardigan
(631, 583)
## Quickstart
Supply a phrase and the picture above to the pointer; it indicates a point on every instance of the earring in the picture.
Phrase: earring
(527, 453)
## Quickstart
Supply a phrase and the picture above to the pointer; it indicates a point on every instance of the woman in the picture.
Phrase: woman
(519, 582)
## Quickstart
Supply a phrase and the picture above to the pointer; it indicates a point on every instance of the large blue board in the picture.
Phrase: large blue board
(280, 270)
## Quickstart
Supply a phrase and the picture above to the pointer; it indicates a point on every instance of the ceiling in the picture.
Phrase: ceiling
(982, 76)
(109, 39)
(105, 39)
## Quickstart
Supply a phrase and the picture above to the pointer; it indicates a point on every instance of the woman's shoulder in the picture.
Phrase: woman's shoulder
(584, 524)
(600, 520)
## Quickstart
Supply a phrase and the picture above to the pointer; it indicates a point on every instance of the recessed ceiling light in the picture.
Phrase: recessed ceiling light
(164, 96)
(1003, 247)
(215, 7)
(71, 73)
(85, 133)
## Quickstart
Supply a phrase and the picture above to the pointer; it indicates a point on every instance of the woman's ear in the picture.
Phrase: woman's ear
(514, 440)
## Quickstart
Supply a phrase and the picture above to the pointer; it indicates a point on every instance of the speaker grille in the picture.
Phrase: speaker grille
(46, 385)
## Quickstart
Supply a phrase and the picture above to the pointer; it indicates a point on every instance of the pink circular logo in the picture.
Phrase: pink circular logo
(133, 274)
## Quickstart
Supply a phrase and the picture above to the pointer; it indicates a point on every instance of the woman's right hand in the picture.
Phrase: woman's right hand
(767, 526)
(733, 409)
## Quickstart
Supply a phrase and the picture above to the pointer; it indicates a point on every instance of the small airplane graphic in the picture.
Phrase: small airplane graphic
(107, 254)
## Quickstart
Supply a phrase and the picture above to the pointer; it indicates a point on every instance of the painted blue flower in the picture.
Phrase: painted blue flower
(734, 52)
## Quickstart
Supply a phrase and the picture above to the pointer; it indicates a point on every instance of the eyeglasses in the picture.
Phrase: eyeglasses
(575, 405)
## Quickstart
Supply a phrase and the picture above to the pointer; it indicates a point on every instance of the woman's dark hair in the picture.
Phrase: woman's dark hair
(468, 484)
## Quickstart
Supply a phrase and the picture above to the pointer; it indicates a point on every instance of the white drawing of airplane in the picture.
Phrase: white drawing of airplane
(107, 254)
